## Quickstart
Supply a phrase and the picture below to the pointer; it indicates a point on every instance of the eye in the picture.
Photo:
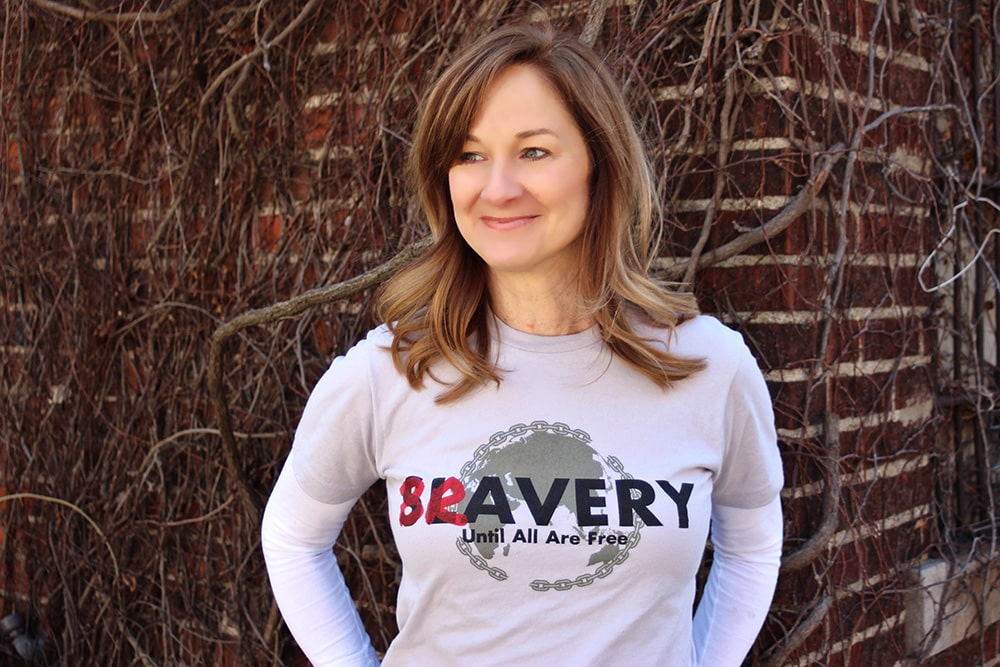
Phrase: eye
(467, 157)
(535, 153)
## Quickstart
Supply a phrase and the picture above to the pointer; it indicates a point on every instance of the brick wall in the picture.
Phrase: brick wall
(167, 172)
(832, 309)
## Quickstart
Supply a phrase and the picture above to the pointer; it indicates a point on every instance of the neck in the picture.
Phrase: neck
(545, 308)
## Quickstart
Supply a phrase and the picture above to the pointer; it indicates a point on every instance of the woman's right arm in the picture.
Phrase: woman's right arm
(297, 537)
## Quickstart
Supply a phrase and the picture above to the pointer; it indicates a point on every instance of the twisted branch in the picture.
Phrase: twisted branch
(113, 17)
(269, 315)
(798, 205)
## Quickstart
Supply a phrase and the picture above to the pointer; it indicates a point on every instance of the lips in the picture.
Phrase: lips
(507, 222)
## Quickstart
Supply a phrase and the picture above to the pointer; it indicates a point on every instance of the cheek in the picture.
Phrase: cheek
(575, 197)
(584, 183)
(568, 185)
(460, 188)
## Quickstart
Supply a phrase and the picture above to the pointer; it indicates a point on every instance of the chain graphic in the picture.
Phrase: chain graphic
(600, 573)
(479, 562)
(518, 434)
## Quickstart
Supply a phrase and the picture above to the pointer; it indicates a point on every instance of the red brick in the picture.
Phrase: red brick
(798, 404)
(767, 286)
(974, 650)
(776, 345)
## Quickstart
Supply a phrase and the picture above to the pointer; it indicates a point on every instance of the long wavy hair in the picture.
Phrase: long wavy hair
(438, 309)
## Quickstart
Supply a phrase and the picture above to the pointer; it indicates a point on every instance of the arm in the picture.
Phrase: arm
(297, 537)
(740, 584)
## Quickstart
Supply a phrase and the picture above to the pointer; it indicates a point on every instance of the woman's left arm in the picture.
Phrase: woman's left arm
(747, 554)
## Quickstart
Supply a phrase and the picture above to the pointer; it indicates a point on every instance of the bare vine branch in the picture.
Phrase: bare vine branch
(269, 315)
(116, 17)
(797, 206)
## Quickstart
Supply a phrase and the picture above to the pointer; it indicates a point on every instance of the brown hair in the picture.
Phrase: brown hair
(438, 309)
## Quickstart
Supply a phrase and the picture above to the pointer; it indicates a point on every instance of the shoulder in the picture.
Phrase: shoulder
(372, 349)
(350, 382)
(728, 359)
(377, 340)
(706, 336)
(701, 336)
(707, 326)
(361, 364)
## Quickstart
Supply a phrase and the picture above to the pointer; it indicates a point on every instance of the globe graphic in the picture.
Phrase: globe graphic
(543, 460)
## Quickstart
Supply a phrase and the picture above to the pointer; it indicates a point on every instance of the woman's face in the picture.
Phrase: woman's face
(519, 188)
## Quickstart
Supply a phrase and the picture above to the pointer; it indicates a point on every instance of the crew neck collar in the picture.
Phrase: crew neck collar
(509, 336)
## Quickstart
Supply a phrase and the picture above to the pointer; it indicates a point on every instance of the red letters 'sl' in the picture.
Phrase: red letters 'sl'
(445, 492)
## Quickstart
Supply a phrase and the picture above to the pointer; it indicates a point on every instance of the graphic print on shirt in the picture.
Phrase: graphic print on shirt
(538, 505)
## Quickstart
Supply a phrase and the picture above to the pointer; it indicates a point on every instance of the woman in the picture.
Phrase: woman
(557, 431)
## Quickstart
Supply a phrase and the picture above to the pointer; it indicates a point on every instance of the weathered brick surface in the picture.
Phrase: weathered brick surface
(976, 650)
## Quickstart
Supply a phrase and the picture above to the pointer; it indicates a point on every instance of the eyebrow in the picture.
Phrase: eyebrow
(524, 134)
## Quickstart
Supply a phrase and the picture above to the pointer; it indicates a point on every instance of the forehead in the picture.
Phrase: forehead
(521, 95)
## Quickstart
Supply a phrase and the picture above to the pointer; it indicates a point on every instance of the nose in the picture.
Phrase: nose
(502, 183)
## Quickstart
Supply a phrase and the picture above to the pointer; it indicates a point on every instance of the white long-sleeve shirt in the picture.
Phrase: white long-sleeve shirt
(558, 518)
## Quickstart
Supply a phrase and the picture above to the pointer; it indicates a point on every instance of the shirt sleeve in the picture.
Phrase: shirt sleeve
(336, 437)
(297, 538)
(741, 582)
(750, 474)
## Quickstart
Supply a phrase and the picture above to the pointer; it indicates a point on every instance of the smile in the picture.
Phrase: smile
(506, 223)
